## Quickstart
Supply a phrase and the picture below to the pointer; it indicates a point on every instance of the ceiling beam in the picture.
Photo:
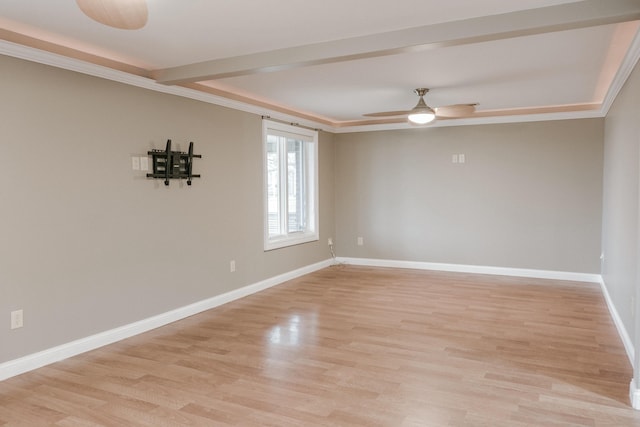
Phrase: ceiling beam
(568, 16)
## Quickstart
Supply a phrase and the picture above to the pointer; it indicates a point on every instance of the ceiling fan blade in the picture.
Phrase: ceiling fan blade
(388, 113)
(123, 14)
(457, 110)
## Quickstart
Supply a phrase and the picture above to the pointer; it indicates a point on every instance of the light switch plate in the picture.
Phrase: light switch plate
(16, 319)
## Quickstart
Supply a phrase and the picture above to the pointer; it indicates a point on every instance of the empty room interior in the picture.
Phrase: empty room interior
(354, 213)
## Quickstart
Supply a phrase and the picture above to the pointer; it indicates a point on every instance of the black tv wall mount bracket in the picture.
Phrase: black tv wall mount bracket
(169, 164)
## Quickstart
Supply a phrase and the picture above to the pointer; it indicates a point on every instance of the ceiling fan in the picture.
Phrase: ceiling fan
(422, 114)
(122, 14)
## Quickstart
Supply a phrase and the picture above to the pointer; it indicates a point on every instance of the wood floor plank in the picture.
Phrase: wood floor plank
(354, 346)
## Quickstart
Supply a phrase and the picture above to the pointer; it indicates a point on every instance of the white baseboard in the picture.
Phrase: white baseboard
(622, 331)
(634, 395)
(36, 360)
(477, 269)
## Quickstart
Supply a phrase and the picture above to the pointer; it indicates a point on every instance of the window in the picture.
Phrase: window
(290, 185)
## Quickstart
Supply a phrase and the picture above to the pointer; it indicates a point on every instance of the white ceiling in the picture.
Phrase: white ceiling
(517, 59)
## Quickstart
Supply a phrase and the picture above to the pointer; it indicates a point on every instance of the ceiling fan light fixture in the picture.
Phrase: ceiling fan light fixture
(121, 14)
(421, 114)
(421, 117)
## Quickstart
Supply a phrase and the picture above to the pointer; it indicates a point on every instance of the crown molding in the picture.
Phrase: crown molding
(626, 68)
(519, 118)
(60, 61)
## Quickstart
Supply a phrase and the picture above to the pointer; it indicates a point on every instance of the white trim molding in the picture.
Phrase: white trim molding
(617, 320)
(477, 269)
(36, 360)
(634, 395)
(39, 56)
(42, 358)
(626, 68)
(59, 61)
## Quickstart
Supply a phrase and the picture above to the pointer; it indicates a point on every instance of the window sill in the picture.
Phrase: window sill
(284, 242)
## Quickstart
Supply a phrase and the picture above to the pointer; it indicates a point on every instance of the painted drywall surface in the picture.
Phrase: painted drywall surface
(527, 196)
(620, 201)
(87, 244)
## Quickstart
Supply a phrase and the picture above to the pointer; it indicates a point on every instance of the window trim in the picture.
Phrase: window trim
(310, 137)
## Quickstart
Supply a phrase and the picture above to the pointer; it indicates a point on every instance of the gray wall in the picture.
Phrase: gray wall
(84, 237)
(620, 202)
(87, 244)
(528, 196)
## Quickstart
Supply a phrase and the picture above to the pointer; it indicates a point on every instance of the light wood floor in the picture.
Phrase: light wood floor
(354, 346)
